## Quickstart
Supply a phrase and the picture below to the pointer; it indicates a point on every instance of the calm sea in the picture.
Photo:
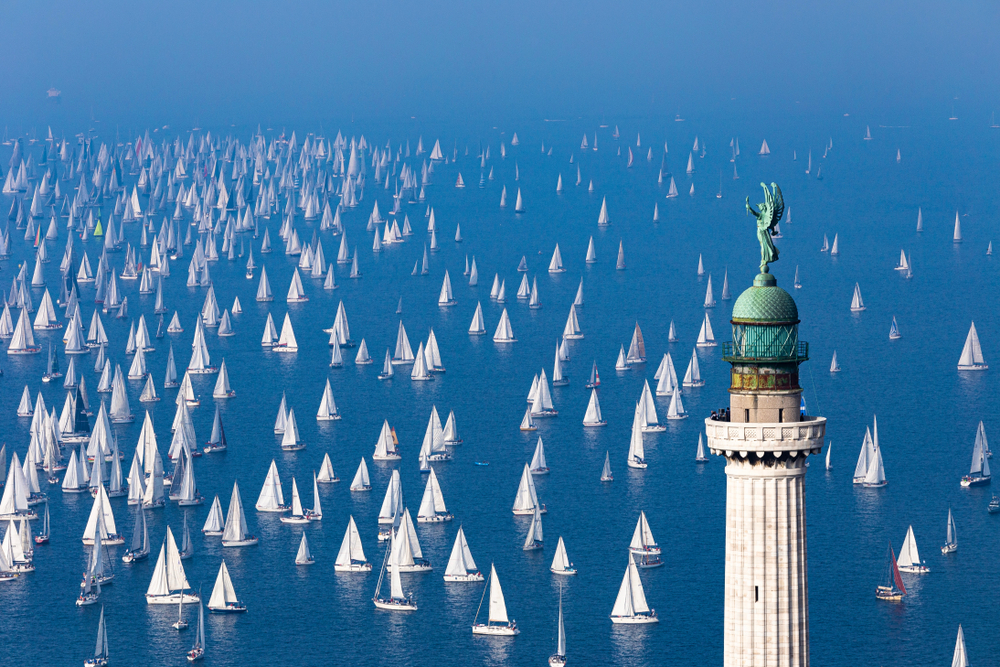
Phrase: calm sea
(927, 410)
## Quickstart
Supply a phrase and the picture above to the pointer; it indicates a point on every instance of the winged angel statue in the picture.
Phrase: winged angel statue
(771, 210)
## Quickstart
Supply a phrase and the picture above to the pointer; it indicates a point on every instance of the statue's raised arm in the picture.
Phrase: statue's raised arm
(771, 210)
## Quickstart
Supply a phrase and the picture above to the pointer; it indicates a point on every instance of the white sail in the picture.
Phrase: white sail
(351, 557)
(593, 415)
(498, 607)
(223, 594)
(972, 352)
(960, 658)
(271, 498)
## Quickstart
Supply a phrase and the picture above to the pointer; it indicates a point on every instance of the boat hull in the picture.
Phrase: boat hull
(392, 605)
(638, 619)
(495, 630)
(172, 598)
(353, 567)
(240, 543)
(949, 548)
(568, 572)
(978, 480)
(458, 578)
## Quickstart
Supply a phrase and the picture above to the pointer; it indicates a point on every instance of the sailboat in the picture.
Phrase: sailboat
(909, 557)
(303, 556)
(497, 622)
(606, 475)
(834, 365)
(701, 456)
(397, 599)
(891, 589)
(181, 624)
(630, 605)
(139, 549)
(957, 236)
(43, 536)
(960, 657)
(904, 263)
(534, 538)
(461, 566)
(636, 452)
(558, 659)
(197, 651)
(972, 353)
(361, 481)
(560, 562)
(351, 557)
(595, 378)
(643, 544)
(100, 658)
(873, 475)
(432, 508)
(979, 472)
(297, 515)
(951, 542)
(593, 415)
(169, 583)
(857, 304)
(235, 533)
(224, 598)
(526, 499)
(829, 447)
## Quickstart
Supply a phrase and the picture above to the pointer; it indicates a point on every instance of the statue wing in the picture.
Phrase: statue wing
(778, 204)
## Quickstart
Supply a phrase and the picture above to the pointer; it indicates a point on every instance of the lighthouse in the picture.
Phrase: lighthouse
(765, 438)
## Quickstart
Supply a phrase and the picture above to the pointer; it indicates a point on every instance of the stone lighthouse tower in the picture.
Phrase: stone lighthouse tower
(765, 440)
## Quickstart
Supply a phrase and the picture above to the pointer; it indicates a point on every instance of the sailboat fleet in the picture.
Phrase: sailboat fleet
(220, 195)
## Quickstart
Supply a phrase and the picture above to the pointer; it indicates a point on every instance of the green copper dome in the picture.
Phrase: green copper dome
(765, 302)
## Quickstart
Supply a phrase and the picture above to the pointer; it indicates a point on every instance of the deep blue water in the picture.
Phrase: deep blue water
(927, 410)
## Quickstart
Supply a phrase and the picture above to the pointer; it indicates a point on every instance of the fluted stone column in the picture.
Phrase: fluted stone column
(767, 586)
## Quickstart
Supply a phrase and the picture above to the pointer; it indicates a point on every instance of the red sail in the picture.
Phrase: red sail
(895, 572)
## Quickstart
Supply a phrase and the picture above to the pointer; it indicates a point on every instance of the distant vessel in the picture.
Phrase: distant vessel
(700, 455)
(606, 475)
(497, 622)
(979, 472)
(461, 565)
(972, 353)
(951, 541)
(909, 557)
(894, 330)
(558, 659)
(891, 589)
(857, 304)
(630, 605)
(957, 236)
(100, 658)
(834, 366)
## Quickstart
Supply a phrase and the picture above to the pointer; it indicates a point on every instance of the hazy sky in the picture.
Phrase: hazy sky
(221, 61)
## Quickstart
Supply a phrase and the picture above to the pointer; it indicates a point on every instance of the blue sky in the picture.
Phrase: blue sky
(224, 61)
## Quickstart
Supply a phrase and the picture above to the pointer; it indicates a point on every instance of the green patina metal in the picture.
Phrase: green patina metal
(765, 350)
(771, 210)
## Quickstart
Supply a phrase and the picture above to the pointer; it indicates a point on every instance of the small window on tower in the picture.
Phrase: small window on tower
(779, 415)
(756, 593)
(746, 412)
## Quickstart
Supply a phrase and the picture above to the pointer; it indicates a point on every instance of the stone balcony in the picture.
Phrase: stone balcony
(792, 438)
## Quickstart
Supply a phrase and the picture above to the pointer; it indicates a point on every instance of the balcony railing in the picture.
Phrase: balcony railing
(774, 352)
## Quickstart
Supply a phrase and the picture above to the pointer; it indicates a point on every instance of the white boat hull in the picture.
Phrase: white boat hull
(391, 605)
(458, 578)
(353, 567)
(416, 567)
(172, 598)
(495, 630)
(634, 620)
(240, 543)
